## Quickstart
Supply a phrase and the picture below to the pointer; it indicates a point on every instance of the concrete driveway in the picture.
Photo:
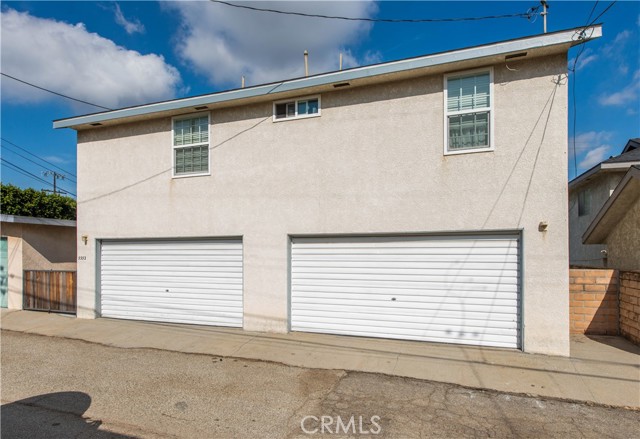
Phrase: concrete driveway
(53, 387)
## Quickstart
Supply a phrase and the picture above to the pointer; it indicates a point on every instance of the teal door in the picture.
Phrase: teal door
(4, 273)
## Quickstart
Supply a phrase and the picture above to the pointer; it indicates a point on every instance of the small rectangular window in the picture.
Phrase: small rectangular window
(295, 109)
(191, 145)
(468, 107)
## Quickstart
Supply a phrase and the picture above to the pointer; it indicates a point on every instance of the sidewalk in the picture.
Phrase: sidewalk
(601, 370)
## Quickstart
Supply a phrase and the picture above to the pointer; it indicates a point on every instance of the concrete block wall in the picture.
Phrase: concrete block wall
(630, 305)
(593, 301)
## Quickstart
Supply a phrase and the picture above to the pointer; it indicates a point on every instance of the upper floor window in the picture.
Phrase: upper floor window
(584, 202)
(468, 107)
(296, 108)
(191, 145)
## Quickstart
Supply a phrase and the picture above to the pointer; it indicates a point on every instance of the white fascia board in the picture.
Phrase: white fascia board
(571, 36)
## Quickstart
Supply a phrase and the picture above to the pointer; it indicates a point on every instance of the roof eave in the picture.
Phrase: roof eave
(613, 210)
(567, 38)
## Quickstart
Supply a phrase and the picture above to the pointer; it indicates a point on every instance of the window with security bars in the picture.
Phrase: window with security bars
(468, 112)
(191, 145)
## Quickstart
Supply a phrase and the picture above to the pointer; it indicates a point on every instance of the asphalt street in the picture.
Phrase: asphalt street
(58, 388)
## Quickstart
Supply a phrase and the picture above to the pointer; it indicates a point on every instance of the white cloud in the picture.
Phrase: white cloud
(223, 43)
(618, 52)
(590, 140)
(587, 57)
(628, 95)
(131, 27)
(70, 60)
(594, 157)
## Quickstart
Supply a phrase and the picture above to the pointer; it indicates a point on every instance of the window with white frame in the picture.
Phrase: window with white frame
(296, 108)
(191, 145)
(468, 103)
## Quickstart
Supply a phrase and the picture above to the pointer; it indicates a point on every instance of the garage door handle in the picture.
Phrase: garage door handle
(393, 299)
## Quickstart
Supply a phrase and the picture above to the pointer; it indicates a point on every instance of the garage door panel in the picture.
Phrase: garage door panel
(181, 281)
(435, 334)
(416, 315)
(364, 286)
(460, 289)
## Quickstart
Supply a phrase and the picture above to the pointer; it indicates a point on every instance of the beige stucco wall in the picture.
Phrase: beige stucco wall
(624, 241)
(372, 163)
(14, 256)
(600, 188)
(36, 247)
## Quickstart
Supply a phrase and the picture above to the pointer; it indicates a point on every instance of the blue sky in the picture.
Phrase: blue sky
(124, 53)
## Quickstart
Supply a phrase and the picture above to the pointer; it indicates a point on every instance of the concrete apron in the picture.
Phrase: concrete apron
(601, 370)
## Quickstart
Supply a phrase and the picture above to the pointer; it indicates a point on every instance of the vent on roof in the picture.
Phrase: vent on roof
(341, 84)
(515, 55)
(202, 107)
(96, 124)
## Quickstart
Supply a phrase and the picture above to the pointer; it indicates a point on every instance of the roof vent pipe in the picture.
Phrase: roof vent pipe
(340, 60)
(242, 81)
(306, 63)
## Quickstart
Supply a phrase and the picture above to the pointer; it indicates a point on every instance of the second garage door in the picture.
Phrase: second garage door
(178, 281)
(453, 289)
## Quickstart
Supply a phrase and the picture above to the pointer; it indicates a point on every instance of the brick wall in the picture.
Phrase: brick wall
(630, 305)
(593, 295)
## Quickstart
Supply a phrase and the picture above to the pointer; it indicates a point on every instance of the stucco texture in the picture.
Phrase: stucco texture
(599, 190)
(624, 241)
(36, 247)
(373, 162)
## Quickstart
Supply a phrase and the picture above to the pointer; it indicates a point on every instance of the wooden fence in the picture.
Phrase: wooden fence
(53, 291)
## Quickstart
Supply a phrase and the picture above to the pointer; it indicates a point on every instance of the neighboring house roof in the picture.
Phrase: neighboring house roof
(632, 144)
(517, 49)
(627, 192)
(630, 156)
(39, 221)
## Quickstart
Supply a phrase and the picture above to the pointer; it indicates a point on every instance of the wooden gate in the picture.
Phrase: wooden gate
(53, 291)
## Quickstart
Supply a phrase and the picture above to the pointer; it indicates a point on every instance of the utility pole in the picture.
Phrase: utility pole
(55, 176)
(544, 13)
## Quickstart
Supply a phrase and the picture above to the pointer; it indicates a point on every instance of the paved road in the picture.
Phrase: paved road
(66, 388)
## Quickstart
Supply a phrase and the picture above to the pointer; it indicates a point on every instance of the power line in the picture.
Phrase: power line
(23, 171)
(531, 12)
(29, 160)
(574, 71)
(37, 156)
(53, 92)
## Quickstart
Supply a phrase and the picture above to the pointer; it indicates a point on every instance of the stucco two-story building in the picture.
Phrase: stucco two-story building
(588, 193)
(421, 199)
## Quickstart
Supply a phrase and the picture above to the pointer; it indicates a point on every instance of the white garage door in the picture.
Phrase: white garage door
(179, 281)
(453, 289)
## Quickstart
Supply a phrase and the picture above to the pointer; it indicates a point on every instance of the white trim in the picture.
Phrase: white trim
(490, 51)
(174, 147)
(446, 114)
(295, 101)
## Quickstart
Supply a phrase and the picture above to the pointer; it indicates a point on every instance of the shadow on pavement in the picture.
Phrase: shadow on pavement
(616, 341)
(52, 415)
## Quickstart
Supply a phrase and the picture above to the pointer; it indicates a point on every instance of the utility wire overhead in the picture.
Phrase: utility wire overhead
(37, 156)
(23, 171)
(573, 69)
(35, 163)
(531, 12)
(53, 92)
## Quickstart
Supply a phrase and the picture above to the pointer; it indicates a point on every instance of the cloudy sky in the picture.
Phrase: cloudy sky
(115, 54)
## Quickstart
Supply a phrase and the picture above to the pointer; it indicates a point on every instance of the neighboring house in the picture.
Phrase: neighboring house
(33, 244)
(421, 199)
(587, 194)
(617, 224)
